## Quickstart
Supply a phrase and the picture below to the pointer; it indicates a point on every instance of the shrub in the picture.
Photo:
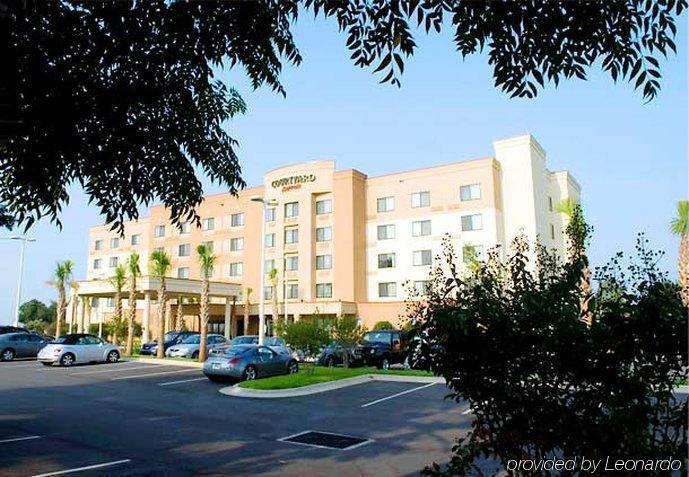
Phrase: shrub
(383, 325)
(347, 331)
(510, 338)
(307, 336)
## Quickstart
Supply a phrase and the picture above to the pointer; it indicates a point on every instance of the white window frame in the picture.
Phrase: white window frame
(113, 262)
(420, 199)
(322, 288)
(472, 225)
(236, 269)
(236, 244)
(324, 206)
(292, 290)
(181, 271)
(387, 202)
(291, 263)
(421, 224)
(293, 233)
(184, 247)
(271, 213)
(159, 231)
(135, 239)
(237, 219)
(291, 209)
(208, 224)
(386, 228)
(98, 244)
(324, 262)
(324, 234)
(474, 192)
(387, 286)
(387, 257)
(97, 264)
(419, 255)
(270, 243)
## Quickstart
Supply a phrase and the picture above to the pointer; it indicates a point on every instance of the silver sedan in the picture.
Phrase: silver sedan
(247, 362)
(78, 348)
(189, 348)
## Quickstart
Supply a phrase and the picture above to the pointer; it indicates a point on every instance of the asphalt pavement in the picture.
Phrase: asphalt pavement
(133, 418)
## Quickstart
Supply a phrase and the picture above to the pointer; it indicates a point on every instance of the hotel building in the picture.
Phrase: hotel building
(344, 243)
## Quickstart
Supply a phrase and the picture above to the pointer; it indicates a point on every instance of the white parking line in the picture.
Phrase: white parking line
(80, 469)
(155, 374)
(398, 394)
(170, 383)
(114, 370)
(17, 439)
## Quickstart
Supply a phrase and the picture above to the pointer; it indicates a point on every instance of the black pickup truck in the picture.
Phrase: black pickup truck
(383, 347)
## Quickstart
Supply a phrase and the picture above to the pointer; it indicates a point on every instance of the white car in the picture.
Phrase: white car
(78, 348)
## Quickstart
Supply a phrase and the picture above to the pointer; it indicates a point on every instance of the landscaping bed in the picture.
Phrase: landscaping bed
(320, 374)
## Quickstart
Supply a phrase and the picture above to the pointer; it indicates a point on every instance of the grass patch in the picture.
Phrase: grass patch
(322, 374)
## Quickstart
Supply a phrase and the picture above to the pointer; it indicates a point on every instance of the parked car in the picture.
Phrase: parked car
(171, 338)
(247, 362)
(383, 348)
(275, 343)
(21, 345)
(189, 348)
(78, 348)
(12, 329)
(334, 354)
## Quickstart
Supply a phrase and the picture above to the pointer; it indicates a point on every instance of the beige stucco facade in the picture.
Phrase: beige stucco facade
(346, 243)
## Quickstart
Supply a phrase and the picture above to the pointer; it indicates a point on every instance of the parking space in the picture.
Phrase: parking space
(135, 418)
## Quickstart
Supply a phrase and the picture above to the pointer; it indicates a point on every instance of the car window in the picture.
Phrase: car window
(377, 337)
(193, 339)
(66, 339)
(35, 338)
(275, 341)
(244, 340)
(83, 340)
(18, 338)
(265, 352)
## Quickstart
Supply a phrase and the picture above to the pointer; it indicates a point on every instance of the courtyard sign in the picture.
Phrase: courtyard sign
(292, 182)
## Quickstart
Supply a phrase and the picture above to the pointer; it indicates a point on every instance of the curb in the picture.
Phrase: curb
(238, 391)
(167, 362)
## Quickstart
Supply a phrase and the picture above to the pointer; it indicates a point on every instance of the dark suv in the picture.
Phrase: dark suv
(171, 338)
(383, 347)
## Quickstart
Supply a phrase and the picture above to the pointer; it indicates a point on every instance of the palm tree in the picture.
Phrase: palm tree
(206, 259)
(273, 276)
(680, 226)
(179, 322)
(134, 272)
(159, 264)
(246, 309)
(62, 277)
(118, 281)
(577, 235)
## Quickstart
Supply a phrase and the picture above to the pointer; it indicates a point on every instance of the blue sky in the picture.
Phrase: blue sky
(630, 157)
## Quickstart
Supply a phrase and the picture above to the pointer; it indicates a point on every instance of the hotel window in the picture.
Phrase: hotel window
(159, 231)
(208, 223)
(324, 262)
(184, 228)
(268, 265)
(472, 222)
(386, 232)
(114, 242)
(386, 260)
(109, 302)
(236, 269)
(184, 250)
(421, 199)
(97, 264)
(98, 245)
(422, 287)
(472, 253)
(422, 258)
(270, 214)
(470, 192)
(291, 263)
(209, 244)
(387, 289)
(113, 262)
(386, 204)
(550, 203)
(292, 209)
(292, 291)
(324, 234)
(236, 244)
(270, 240)
(237, 220)
(268, 292)
(420, 228)
(324, 206)
(183, 272)
(324, 290)
(159, 249)
(552, 231)
(136, 239)
(291, 235)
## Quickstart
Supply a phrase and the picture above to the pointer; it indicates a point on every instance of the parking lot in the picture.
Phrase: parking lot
(135, 418)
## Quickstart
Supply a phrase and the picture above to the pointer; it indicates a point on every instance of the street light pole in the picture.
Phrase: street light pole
(17, 303)
(261, 302)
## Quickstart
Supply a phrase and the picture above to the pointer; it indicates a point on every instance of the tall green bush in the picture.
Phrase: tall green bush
(383, 325)
(509, 338)
(307, 336)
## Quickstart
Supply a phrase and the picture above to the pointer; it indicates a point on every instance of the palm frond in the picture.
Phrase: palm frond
(133, 266)
(119, 278)
(206, 259)
(680, 224)
(159, 264)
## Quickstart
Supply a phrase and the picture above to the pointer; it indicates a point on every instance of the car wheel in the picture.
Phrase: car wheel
(7, 354)
(384, 363)
(293, 367)
(195, 355)
(113, 356)
(329, 362)
(249, 373)
(67, 360)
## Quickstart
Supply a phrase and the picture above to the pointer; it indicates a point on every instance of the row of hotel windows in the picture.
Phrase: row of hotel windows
(325, 290)
(423, 198)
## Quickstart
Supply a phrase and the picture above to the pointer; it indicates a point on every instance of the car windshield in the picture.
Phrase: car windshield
(170, 336)
(377, 337)
(274, 341)
(193, 339)
(66, 339)
(243, 340)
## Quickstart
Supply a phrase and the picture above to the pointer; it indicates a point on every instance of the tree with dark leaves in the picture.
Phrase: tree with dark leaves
(508, 338)
(120, 96)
